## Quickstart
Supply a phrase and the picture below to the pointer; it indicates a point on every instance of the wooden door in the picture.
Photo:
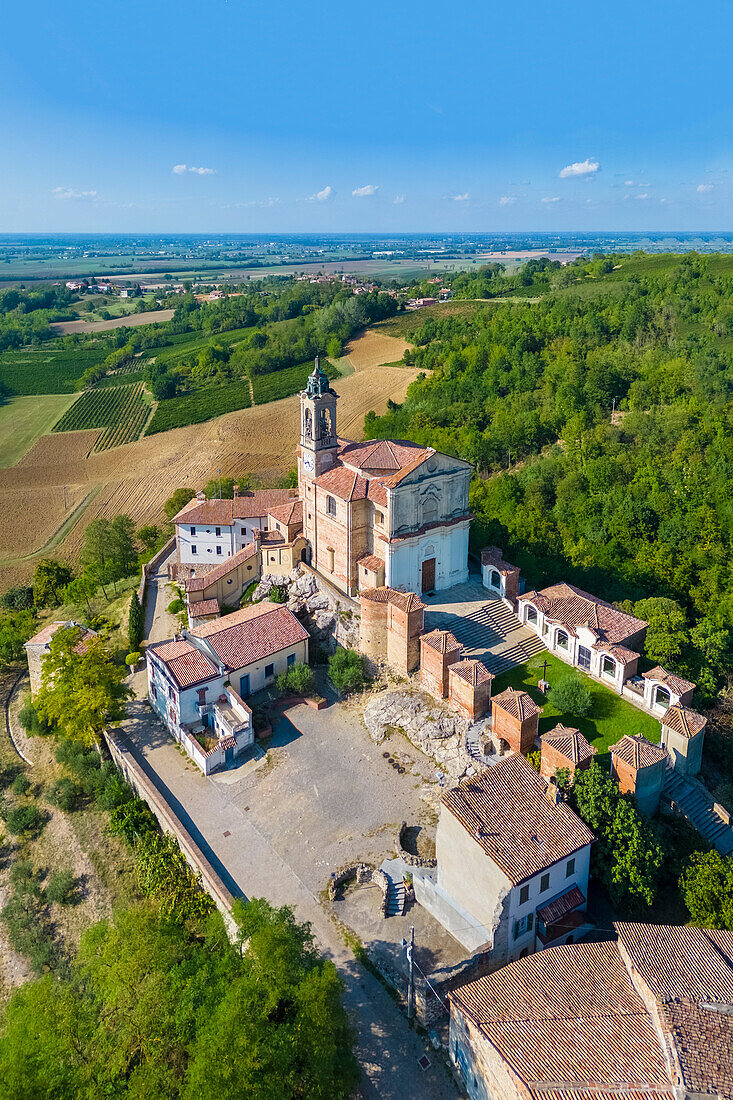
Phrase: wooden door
(428, 575)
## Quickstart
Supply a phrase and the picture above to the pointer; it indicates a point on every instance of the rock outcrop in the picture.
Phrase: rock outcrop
(329, 620)
(437, 733)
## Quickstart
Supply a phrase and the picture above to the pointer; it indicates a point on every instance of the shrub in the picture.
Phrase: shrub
(25, 820)
(114, 793)
(21, 784)
(176, 605)
(65, 794)
(31, 720)
(346, 670)
(132, 821)
(63, 888)
(277, 594)
(533, 758)
(298, 679)
(132, 659)
(246, 598)
(571, 696)
(18, 598)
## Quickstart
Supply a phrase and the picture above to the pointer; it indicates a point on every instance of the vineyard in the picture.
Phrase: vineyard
(46, 370)
(283, 383)
(120, 410)
(194, 408)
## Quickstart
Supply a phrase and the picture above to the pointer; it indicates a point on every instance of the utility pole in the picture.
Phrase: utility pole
(613, 409)
(411, 980)
(509, 455)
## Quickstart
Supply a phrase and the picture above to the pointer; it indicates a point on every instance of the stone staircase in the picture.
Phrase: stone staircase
(493, 623)
(472, 746)
(691, 801)
(395, 897)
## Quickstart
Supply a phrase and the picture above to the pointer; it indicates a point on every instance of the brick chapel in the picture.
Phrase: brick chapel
(383, 512)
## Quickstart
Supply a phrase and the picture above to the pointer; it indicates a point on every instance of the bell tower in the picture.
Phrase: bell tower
(318, 441)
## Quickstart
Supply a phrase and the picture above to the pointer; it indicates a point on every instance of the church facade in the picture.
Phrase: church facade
(383, 512)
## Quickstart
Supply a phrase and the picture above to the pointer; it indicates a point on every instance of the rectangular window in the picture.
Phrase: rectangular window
(584, 657)
(193, 530)
(291, 660)
(526, 924)
(218, 531)
(524, 895)
(544, 883)
(331, 506)
(569, 868)
(269, 671)
(193, 548)
(218, 550)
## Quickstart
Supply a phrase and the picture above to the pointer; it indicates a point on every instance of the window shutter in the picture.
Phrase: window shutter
(530, 921)
(516, 929)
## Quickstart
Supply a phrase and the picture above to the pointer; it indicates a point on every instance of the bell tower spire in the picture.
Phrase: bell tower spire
(318, 439)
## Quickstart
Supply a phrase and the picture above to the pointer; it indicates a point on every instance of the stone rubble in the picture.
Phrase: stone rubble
(435, 732)
(329, 621)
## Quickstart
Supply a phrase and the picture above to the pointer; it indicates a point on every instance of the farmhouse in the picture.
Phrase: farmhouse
(645, 1016)
(383, 512)
(210, 529)
(585, 631)
(513, 861)
(199, 680)
(37, 647)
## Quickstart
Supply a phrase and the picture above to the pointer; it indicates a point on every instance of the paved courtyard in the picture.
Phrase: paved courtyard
(488, 630)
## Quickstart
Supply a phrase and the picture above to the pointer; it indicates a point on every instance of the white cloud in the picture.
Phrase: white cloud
(580, 168)
(181, 169)
(628, 183)
(643, 195)
(507, 200)
(363, 192)
(553, 198)
(70, 193)
(461, 198)
(399, 199)
(703, 187)
(324, 195)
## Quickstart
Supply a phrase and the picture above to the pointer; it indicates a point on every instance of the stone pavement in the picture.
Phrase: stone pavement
(483, 624)
(325, 797)
(159, 623)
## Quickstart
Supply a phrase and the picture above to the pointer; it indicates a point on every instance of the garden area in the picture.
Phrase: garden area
(609, 716)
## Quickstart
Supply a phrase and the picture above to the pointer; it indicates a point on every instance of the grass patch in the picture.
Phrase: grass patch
(23, 420)
(610, 717)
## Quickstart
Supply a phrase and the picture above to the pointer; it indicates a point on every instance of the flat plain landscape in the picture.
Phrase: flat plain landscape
(138, 477)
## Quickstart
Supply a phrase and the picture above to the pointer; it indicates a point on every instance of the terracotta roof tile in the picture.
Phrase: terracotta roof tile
(517, 703)
(406, 601)
(204, 607)
(370, 562)
(680, 963)
(219, 572)
(343, 483)
(250, 505)
(381, 455)
(442, 641)
(507, 811)
(492, 555)
(242, 643)
(676, 683)
(558, 907)
(683, 720)
(569, 742)
(473, 672)
(637, 752)
(572, 607)
(620, 652)
(289, 513)
(185, 663)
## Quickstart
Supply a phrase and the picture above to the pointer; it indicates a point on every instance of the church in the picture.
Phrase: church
(383, 512)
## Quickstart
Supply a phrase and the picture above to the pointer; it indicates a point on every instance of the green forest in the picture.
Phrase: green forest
(598, 416)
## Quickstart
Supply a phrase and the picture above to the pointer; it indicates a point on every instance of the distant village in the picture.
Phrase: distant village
(370, 552)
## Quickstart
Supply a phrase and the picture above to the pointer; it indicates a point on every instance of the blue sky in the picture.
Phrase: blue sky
(294, 117)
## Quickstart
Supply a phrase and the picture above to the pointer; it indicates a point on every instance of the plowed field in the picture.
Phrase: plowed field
(137, 478)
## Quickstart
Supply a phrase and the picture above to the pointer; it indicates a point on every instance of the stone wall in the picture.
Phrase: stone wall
(408, 857)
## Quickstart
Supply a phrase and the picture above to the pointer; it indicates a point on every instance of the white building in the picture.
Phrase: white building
(207, 531)
(585, 631)
(198, 681)
(513, 864)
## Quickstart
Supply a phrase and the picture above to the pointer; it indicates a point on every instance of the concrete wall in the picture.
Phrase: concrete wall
(466, 873)
(686, 752)
(645, 784)
(212, 549)
(281, 560)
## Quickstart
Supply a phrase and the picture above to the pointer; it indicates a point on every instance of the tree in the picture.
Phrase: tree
(149, 536)
(15, 630)
(707, 887)
(667, 634)
(83, 587)
(49, 581)
(571, 696)
(19, 597)
(346, 670)
(140, 1007)
(135, 622)
(124, 550)
(180, 499)
(82, 688)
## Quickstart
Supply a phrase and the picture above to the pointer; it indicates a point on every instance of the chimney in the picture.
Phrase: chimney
(257, 538)
(201, 496)
(236, 492)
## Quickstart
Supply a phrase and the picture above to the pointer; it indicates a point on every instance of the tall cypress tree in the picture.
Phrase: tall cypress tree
(135, 623)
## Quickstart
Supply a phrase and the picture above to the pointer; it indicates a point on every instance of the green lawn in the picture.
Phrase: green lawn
(610, 717)
(24, 419)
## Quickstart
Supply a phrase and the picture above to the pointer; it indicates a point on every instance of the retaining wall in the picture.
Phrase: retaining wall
(152, 567)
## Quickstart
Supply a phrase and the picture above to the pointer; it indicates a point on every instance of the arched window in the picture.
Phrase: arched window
(662, 698)
(330, 506)
(495, 579)
(531, 616)
(561, 641)
(429, 510)
(308, 425)
(608, 667)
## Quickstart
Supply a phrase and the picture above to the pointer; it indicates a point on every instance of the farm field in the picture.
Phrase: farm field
(46, 370)
(132, 320)
(120, 410)
(23, 420)
(195, 408)
(283, 383)
(139, 477)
